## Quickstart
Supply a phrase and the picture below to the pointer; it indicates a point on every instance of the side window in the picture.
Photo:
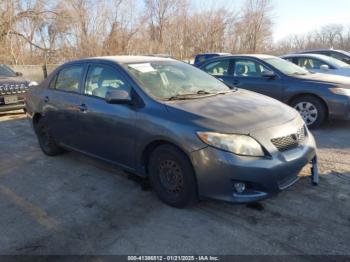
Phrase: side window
(289, 59)
(247, 68)
(309, 63)
(68, 78)
(219, 68)
(338, 56)
(102, 79)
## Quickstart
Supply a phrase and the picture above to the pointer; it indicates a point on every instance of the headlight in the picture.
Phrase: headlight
(237, 144)
(340, 91)
(32, 83)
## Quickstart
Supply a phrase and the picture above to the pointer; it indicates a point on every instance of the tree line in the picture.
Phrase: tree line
(53, 31)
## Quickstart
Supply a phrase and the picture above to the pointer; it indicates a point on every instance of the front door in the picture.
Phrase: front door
(248, 74)
(108, 130)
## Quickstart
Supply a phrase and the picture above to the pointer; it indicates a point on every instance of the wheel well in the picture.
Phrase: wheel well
(290, 101)
(152, 146)
(36, 119)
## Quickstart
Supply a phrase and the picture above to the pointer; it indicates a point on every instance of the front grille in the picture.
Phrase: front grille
(9, 89)
(290, 142)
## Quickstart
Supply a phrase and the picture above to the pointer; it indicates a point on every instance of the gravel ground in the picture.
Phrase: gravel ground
(73, 204)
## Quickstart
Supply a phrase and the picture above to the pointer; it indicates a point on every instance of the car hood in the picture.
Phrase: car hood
(12, 80)
(237, 112)
(326, 78)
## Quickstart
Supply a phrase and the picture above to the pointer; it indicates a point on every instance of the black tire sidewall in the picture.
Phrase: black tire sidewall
(321, 110)
(189, 194)
(53, 149)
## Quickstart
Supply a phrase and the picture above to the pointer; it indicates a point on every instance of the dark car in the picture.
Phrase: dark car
(12, 89)
(317, 97)
(201, 58)
(170, 122)
(337, 54)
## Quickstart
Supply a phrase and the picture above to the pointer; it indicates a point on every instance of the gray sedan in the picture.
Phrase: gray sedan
(171, 123)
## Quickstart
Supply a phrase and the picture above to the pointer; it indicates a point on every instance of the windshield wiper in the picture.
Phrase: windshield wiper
(183, 96)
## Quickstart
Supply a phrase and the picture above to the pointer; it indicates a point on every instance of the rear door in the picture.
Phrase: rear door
(61, 104)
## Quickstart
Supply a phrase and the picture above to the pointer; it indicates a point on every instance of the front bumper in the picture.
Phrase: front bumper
(5, 108)
(217, 171)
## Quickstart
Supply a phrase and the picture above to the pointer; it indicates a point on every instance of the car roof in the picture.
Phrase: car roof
(325, 49)
(220, 54)
(126, 59)
(319, 56)
(259, 56)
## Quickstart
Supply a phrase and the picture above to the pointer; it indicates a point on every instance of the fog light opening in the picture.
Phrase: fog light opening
(239, 187)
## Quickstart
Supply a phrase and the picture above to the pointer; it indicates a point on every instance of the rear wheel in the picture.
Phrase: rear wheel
(312, 110)
(46, 140)
(172, 177)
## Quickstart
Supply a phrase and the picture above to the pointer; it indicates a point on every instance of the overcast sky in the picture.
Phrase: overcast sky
(296, 16)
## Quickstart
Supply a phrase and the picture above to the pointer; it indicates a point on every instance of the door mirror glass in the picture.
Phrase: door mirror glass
(268, 74)
(324, 67)
(118, 97)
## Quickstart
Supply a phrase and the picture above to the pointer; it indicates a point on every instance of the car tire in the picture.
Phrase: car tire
(172, 177)
(312, 109)
(46, 140)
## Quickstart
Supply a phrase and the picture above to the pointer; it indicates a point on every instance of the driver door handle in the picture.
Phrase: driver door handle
(83, 108)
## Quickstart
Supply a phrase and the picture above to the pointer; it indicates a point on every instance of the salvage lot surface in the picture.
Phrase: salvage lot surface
(73, 204)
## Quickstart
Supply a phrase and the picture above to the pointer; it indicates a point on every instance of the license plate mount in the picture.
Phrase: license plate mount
(10, 100)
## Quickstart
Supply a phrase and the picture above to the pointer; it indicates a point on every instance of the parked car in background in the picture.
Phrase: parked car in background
(317, 97)
(201, 58)
(319, 64)
(167, 121)
(160, 55)
(12, 89)
(337, 54)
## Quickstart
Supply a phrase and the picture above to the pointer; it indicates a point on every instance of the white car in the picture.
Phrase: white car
(320, 64)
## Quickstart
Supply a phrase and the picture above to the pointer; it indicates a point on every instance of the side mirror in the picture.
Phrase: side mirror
(19, 74)
(118, 97)
(268, 74)
(324, 67)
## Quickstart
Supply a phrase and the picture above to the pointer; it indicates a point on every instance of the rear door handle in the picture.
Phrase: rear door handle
(83, 108)
(46, 99)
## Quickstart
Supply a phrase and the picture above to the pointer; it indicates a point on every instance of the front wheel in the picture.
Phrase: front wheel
(171, 176)
(311, 109)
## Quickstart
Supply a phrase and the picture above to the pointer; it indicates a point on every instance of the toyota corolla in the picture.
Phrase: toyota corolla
(161, 119)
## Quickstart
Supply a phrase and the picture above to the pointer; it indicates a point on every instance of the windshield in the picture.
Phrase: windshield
(6, 71)
(286, 67)
(169, 79)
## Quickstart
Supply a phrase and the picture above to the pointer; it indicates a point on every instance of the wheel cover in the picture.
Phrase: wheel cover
(308, 112)
(171, 177)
